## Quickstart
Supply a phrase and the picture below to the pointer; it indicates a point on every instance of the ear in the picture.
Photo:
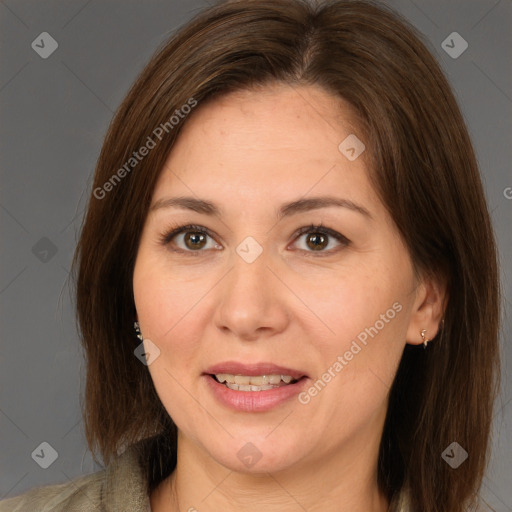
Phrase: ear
(428, 310)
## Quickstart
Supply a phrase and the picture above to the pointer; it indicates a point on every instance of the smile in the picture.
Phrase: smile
(240, 398)
(253, 387)
(253, 382)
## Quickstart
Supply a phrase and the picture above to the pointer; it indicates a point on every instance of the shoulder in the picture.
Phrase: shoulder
(400, 502)
(120, 486)
(79, 494)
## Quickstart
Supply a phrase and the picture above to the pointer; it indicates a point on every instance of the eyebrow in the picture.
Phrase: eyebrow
(286, 210)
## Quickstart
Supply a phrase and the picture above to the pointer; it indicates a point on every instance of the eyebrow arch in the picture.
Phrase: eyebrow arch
(286, 210)
(314, 203)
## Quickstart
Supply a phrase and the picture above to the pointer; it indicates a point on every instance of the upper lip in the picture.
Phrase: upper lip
(253, 369)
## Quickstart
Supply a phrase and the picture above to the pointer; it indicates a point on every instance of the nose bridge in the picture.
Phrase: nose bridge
(249, 281)
(250, 299)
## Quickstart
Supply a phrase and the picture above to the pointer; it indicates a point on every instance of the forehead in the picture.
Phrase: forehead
(276, 140)
(276, 117)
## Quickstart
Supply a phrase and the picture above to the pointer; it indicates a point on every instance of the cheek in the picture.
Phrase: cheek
(158, 310)
(166, 315)
(358, 363)
(160, 300)
(356, 302)
(165, 312)
(367, 315)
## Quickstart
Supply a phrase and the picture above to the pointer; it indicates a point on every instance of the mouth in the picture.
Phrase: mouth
(254, 387)
(254, 382)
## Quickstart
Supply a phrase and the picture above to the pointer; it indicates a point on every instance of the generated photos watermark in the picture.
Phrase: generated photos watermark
(355, 348)
(151, 142)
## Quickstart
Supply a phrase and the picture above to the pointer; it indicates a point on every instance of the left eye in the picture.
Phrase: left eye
(317, 238)
(195, 238)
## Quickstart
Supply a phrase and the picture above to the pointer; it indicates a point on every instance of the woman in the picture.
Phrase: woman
(287, 283)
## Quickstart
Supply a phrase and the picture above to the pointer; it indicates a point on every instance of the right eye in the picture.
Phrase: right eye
(190, 238)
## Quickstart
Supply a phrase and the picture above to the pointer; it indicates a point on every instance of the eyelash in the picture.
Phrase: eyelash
(167, 237)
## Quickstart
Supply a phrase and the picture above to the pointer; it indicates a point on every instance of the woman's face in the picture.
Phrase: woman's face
(261, 293)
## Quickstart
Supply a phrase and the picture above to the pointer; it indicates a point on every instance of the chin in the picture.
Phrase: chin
(254, 454)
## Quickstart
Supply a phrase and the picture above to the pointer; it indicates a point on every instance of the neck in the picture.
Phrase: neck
(342, 480)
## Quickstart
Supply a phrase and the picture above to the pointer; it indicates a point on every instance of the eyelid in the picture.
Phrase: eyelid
(320, 228)
(168, 235)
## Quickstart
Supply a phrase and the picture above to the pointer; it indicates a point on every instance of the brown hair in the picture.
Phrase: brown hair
(422, 166)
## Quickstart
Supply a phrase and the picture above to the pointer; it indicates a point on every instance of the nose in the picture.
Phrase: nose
(253, 301)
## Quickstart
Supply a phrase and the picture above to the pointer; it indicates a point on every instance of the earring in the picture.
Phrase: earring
(425, 340)
(136, 326)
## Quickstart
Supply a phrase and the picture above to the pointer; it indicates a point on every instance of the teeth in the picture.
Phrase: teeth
(242, 379)
(253, 383)
(242, 387)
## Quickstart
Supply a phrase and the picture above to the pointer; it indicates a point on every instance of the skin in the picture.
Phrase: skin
(249, 152)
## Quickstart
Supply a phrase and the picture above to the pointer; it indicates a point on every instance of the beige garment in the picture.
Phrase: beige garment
(121, 487)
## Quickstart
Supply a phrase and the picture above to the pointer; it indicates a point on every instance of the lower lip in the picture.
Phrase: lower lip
(254, 401)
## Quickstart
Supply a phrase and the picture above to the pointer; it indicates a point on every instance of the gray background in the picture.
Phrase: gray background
(54, 113)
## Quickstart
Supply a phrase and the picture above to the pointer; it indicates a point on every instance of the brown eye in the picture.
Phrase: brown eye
(189, 239)
(194, 239)
(317, 241)
(317, 238)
